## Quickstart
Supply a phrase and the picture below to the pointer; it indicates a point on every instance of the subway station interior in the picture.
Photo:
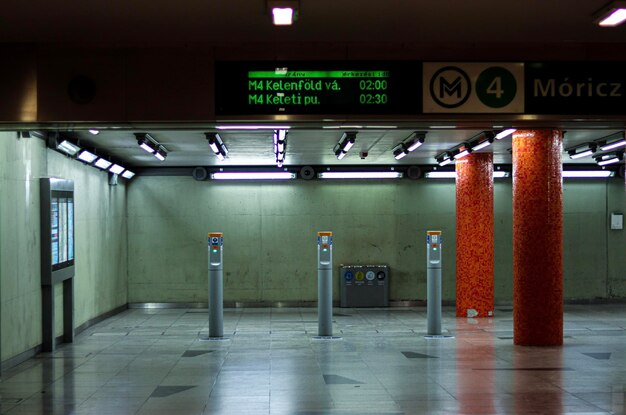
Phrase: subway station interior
(312, 207)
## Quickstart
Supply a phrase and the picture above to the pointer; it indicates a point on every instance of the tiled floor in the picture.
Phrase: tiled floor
(155, 362)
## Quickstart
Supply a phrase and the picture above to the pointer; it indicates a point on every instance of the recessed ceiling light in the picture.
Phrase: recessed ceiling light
(611, 15)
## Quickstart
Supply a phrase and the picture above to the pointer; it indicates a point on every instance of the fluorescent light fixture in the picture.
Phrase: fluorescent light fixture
(253, 176)
(102, 163)
(348, 145)
(346, 142)
(68, 148)
(613, 14)
(160, 154)
(415, 145)
(128, 174)
(586, 173)
(611, 160)
(400, 153)
(573, 155)
(217, 145)
(445, 162)
(93, 131)
(253, 127)
(360, 175)
(86, 156)
(461, 154)
(482, 145)
(116, 169)
(614, 144)
(213, 146)
(342, 127)
(282, 16)
(442, 127)
(505, 133)
(498, 174)
(146, 147)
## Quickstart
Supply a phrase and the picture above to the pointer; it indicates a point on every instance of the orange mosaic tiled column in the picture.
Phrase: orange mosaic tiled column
(537, 238)
(474, 235)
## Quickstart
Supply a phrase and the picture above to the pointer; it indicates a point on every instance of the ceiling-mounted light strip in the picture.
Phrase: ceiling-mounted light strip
(612, 14)
(587, 173)
(93, 131)
(346, 142)
(253, 176)
(497, 174)
(253, 127)
(360, 175)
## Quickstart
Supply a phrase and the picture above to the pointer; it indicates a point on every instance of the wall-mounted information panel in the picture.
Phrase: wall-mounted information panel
(318, 87)
(413, 88)
(57, 256)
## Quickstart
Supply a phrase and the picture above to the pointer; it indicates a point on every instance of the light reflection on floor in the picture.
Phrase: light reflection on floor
(155, 362)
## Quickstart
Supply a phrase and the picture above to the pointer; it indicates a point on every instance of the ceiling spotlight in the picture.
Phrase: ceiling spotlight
(612, 14)
(217, 145)
(284, 12)
(345, 143)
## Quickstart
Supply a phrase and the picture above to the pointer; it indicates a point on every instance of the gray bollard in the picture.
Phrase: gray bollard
(433, 280)
(325, 283)
(216, 285)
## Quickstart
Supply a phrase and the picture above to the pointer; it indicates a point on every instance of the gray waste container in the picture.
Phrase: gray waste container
(364, 285)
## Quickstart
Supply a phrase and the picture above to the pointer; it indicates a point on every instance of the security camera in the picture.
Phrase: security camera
(363, 155)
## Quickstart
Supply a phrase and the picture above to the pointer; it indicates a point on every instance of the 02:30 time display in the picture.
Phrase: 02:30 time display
(373, 99)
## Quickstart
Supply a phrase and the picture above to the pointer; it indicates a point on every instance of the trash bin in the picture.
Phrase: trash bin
(364, 285)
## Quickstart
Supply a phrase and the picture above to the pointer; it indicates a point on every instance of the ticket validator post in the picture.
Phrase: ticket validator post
(325, 283)
(433, 281)
(216, 285)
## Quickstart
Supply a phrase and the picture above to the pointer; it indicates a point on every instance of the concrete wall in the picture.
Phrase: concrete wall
(100, 235)
(270, 235)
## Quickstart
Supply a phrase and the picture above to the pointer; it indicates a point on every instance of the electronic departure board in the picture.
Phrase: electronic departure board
(330, 87)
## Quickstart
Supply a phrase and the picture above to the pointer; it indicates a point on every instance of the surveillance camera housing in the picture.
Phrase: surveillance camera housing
(363, 154)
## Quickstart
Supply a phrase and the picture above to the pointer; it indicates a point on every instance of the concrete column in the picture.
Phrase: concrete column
(537, 238)
(474, 235)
